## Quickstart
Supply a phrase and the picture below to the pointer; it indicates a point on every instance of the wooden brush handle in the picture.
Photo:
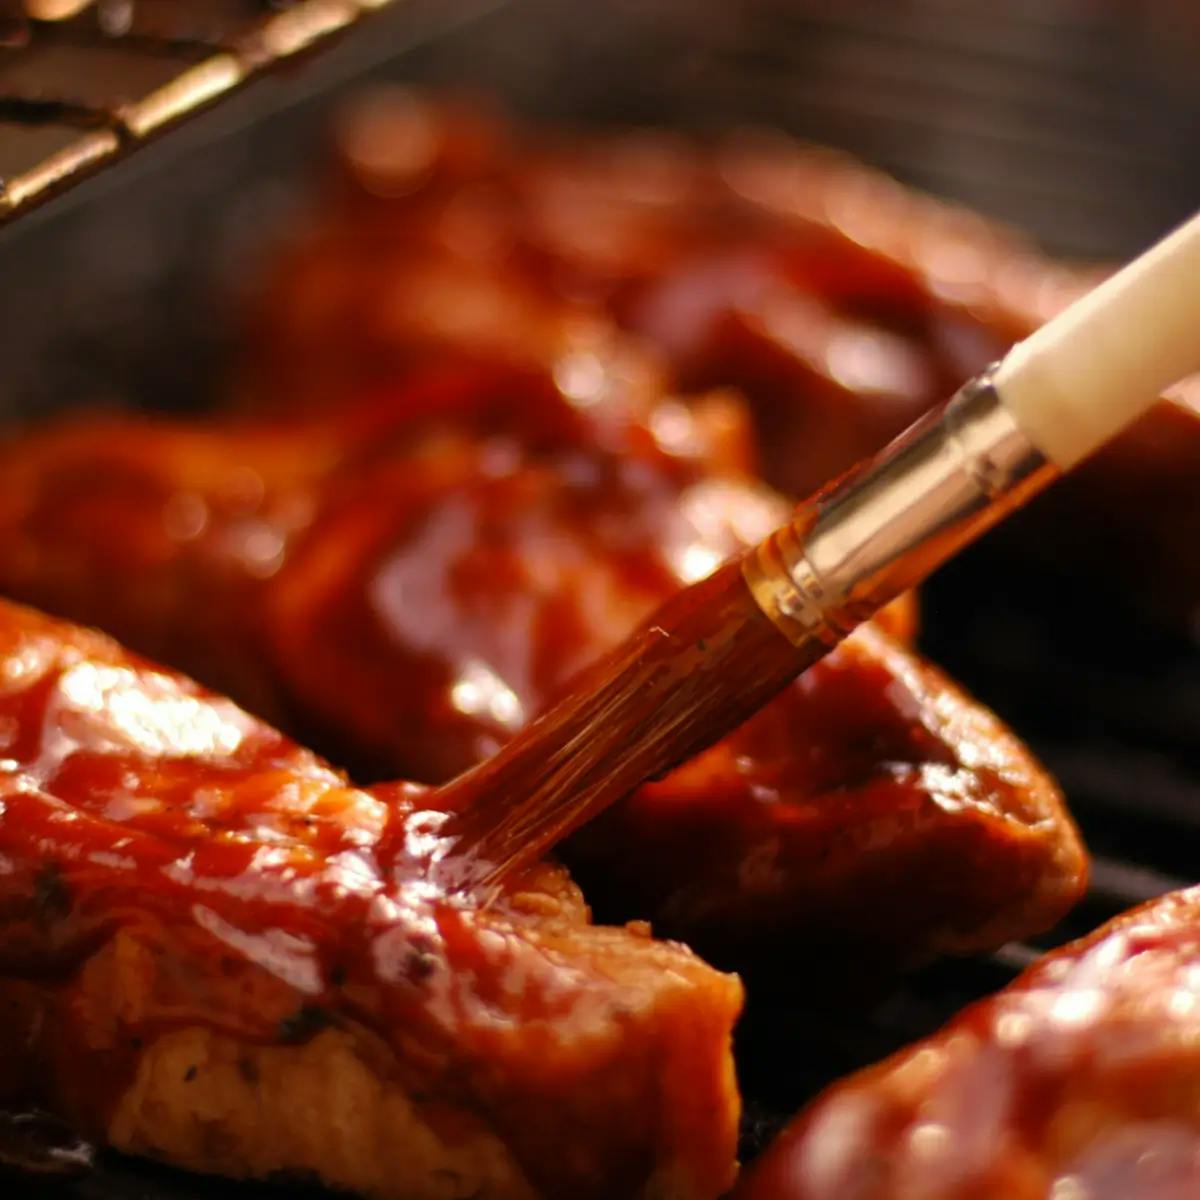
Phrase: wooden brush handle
(1103, 361)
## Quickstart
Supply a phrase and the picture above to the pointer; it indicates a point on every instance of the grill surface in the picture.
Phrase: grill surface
(79, 93)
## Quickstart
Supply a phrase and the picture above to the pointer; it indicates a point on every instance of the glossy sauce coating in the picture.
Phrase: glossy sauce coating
(461, 589)
(455, 562)
(156, 835)
(496, 489)
(873, 816)
(1082, 1079)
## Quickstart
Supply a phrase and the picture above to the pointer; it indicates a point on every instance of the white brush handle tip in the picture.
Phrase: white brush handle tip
(1099, 364)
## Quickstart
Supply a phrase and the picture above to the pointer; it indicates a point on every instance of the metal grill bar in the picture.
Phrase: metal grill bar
(81, 92)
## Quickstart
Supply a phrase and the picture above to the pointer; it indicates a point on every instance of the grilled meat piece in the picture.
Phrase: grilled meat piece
(415, 580)
(216, 952)
(167, 534)
(160, 534)
(819, 290)
(839, 303)
(873, 816)
(1081, 1079)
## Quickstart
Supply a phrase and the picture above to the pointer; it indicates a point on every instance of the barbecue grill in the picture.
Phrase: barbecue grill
(1070, 120)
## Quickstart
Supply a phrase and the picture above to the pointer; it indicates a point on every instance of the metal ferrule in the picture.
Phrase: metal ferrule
(887, 525)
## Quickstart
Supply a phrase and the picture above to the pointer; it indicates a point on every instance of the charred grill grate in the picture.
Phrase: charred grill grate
(81, 92)
(1077, 122)
(1025, 110)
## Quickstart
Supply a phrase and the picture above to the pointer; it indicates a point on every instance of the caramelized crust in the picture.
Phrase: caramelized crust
(874, 815)
(214, 951)
(450, 563)
(1081, 1079)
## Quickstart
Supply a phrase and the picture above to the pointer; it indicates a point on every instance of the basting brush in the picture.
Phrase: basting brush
(720, 649)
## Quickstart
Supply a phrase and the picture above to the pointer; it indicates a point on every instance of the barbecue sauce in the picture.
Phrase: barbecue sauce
(159, 845)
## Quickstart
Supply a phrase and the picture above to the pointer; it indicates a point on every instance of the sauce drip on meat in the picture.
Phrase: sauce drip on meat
(168, 862)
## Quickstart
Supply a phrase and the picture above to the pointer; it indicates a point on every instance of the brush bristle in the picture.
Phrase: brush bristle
(706, 661)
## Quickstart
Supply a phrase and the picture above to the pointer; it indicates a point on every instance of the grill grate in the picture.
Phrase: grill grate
(1077, 120)
(81, 92)
(1026, 110)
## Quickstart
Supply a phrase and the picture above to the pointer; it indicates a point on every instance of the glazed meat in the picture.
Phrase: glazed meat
(162, 535)
(840, 304)
(872, 810)
(498, 551)
(873, 816)
(483, 536)
(1082, 1079)
(806, 282)
(180, 538)
(216, 952)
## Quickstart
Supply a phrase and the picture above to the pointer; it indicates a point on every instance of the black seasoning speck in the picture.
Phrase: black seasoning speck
(190, 1074)
(50, 894)
(304, 1023)
(419, 966)
(421, 961)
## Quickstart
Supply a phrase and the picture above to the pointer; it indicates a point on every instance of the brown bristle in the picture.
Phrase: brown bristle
(707, 660)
